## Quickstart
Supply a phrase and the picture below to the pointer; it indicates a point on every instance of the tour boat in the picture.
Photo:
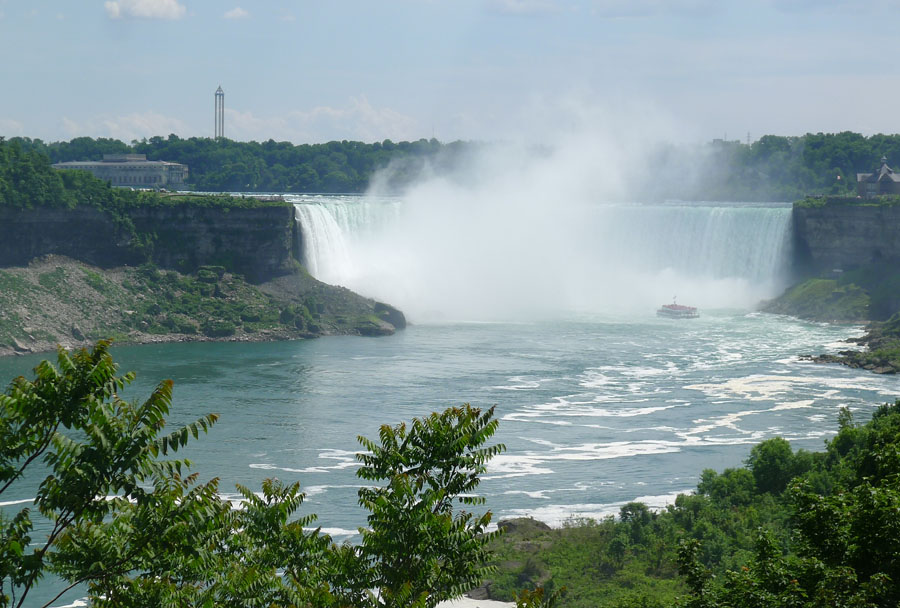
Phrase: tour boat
(677, 311)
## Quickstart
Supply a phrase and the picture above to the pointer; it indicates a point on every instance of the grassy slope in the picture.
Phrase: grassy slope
(58, 300)
(822, 300)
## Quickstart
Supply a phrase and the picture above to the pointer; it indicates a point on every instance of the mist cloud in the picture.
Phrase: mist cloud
(523, 230)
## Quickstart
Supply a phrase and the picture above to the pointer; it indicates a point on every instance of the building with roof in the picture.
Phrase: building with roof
(883, 181)
(133, 171)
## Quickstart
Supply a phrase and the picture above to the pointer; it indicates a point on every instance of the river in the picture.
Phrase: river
(598, 405)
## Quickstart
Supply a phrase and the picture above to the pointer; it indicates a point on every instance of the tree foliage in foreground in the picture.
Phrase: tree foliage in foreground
(846, 531)
(137, 530)
(791, 528)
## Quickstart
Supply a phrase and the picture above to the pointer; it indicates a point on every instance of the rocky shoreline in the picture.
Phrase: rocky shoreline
(880, 353)
(833, 300)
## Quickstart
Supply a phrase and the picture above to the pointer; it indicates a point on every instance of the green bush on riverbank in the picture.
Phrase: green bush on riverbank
(823, 300)
(790, 529)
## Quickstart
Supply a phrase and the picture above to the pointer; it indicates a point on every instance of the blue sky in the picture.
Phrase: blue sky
(368, 70)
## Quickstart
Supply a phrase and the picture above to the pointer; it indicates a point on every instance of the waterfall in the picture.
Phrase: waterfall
(330, 225)
(490, 261)
(740, 241)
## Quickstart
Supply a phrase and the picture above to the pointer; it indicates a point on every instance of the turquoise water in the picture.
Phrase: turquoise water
(594, 411)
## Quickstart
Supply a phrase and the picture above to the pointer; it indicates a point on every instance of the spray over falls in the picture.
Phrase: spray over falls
(500, 262)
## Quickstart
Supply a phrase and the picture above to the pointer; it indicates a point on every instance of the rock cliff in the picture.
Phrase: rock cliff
(257, 242)
(846, 236)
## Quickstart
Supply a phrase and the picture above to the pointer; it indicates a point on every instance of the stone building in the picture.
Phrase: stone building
(132, 171)
(883, 181)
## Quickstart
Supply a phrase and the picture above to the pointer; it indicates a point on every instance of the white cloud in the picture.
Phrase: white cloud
(648, 8)
(358, 120)
(237, 13)
(524, 7)
(834, 6)
(10, 127)
(145, 9)
(125, 127)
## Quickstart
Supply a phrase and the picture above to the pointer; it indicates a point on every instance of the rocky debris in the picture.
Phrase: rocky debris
(857, 360)
(480, 593)
(20, 347)
(524, 525)
(390, 314)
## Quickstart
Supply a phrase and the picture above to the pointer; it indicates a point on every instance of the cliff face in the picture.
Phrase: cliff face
(83, 233)
(257, 242)
(847, 236)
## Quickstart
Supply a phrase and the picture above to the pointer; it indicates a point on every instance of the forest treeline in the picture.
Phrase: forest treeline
(772, 168)
(27, 181)
(231, 166)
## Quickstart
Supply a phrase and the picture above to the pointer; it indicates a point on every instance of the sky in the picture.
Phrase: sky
(487, 70)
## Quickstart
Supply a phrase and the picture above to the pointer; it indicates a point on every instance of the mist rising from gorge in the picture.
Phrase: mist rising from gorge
(518, 231)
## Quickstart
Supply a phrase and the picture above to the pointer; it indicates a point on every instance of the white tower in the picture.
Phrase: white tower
(220, 113)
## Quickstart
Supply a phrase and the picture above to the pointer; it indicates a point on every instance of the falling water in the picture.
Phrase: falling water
(491, 262)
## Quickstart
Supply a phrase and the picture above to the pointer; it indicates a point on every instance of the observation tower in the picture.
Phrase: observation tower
(220, 113)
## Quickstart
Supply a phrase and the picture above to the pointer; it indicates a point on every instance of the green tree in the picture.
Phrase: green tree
(771, 463)
(846, 546)
(417, 548)
(163, 539)
(92, 443)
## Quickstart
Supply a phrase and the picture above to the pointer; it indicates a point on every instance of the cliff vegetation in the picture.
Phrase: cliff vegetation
(818, 202)
(57, 300)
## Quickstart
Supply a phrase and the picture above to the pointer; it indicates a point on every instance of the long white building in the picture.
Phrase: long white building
(132, 170)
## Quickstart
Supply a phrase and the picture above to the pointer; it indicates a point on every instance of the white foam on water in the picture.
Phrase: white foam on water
(558, 515)
(9, 503)
(726, 421)
(757, 387)
(339, 532)
(616, 449)
(518, 465)
(537, 494)
(315, 490)
(519, 383)
(312, 469)
(793, 405)
(82, 603)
